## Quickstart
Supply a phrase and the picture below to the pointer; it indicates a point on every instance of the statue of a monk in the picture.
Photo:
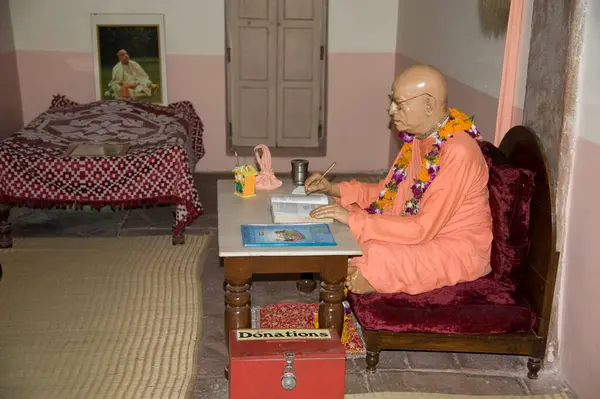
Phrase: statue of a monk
(129, 80)
(428, 224)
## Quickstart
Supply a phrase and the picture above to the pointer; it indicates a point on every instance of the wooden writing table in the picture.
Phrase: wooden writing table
(242, 262)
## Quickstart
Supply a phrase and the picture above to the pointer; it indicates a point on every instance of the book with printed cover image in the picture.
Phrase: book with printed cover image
(296, 208)
(289, 235)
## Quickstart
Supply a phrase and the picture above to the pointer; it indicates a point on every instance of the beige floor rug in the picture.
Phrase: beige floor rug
(414, 395)
(99, 317)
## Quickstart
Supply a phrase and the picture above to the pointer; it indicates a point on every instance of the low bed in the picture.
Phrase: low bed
(163, 143)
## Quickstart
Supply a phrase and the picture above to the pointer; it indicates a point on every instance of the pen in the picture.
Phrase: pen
(323, 176)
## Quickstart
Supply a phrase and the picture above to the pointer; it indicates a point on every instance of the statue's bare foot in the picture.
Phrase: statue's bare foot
(356, 282)
(351, 271)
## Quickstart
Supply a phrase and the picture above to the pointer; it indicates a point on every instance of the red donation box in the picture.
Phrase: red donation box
(286, 364)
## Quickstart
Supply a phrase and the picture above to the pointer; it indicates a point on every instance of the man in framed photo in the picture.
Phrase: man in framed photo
(129, 80)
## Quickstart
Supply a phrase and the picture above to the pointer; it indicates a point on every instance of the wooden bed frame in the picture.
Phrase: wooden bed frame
(524, 150)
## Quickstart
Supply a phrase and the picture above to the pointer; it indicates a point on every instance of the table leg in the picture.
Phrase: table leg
(331, 310)
(5, 227)
(237, 295)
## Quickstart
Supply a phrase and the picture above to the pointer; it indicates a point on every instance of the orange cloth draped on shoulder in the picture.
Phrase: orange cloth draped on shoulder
(447, 242)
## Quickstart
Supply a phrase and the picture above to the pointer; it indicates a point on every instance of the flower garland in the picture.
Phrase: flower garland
(457, 122)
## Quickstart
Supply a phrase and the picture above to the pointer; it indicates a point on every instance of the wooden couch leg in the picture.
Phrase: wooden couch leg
(533, 365)
(373, 344)
(372, 361)
(5, 227)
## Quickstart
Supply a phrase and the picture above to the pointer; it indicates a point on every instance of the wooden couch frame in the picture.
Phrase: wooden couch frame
(524, 150)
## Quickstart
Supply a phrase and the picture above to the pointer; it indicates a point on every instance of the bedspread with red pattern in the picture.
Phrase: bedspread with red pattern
(165, 143)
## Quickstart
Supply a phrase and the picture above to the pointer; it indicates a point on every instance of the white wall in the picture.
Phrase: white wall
(447, 35)
(362, 26)
(193, 26)
(588, 115)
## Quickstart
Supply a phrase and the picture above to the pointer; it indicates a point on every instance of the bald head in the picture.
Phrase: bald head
(123, 56)
(419, 99)
(419, 80)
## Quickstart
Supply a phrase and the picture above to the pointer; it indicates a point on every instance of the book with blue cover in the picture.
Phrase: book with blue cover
(287, 235)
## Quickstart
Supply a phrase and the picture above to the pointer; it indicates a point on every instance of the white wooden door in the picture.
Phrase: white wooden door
(276, 72)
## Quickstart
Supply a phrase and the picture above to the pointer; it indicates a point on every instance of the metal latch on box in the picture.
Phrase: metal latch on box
(288, 379)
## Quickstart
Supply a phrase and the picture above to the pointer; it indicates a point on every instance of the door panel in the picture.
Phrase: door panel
(299, 9)
(253, 71)
(253, 115)
(299, 40)
(297, 114)
(253, 9)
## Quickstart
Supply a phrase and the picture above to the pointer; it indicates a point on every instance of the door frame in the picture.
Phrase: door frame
(319, 151)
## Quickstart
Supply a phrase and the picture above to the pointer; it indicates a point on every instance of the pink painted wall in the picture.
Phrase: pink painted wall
(58, 58)
(580, 324)
(580, 295)
(11, 117)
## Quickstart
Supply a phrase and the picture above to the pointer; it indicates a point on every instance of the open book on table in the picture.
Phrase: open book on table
(296, 208)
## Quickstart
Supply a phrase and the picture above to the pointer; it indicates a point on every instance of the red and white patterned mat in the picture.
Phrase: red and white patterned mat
(302, 315)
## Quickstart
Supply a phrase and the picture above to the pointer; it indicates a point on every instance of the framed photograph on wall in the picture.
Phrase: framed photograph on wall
(129, 57)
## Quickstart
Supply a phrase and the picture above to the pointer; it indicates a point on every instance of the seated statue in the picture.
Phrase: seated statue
(129, 80)
(428, 224)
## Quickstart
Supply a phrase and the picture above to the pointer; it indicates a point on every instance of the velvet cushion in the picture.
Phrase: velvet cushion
(483, 306)
(511, 190)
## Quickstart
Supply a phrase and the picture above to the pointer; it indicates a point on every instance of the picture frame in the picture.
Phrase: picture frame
(130, 57)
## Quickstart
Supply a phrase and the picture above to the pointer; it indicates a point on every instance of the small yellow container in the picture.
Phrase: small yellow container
(245, 181)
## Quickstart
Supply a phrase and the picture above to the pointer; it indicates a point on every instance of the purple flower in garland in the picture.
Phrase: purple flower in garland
(411, 209)
(372, 209)
(399, 175)
(417, 190)
(433, 168)
(406, 137)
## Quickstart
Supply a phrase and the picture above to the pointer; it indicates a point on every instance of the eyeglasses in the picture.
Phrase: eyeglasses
(397, 106)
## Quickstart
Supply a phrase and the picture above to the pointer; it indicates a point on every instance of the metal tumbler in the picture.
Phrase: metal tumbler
(299, 171)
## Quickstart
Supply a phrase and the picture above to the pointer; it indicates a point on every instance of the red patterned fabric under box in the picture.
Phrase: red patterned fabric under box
(165, 143)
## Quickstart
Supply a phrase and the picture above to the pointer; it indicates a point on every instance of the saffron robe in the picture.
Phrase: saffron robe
(131, 73)
(448, 241)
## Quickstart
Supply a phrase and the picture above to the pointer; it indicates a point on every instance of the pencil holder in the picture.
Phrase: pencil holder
(245, 181)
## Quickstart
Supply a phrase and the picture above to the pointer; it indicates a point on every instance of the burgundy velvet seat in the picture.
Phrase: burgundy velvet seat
(489, 305)
(483, 306)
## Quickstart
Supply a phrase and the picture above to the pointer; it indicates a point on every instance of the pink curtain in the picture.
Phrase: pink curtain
(508, 83)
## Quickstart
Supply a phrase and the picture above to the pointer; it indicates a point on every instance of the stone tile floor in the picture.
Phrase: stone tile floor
(398, 371)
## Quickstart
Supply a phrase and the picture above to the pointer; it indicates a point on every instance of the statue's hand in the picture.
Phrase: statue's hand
(333, 211)
(323, 186)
